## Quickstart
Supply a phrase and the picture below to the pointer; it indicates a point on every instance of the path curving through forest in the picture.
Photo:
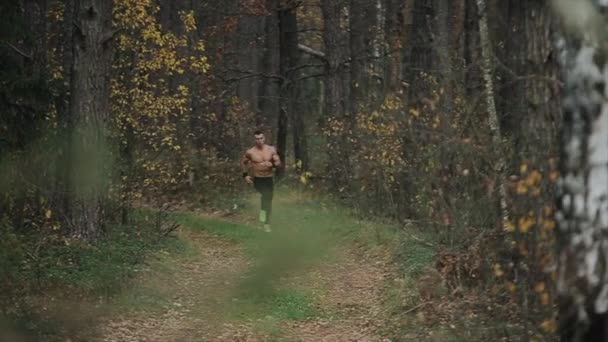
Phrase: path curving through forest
(240, 284)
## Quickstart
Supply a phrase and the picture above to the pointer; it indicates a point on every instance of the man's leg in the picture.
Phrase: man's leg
(267, 195)
(258, 186)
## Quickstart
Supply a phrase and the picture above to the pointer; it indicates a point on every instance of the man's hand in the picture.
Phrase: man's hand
(248, 180)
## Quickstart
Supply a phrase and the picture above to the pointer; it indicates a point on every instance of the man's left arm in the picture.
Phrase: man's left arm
(276, 160)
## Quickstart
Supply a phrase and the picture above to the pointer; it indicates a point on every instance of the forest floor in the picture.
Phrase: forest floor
(316, 277)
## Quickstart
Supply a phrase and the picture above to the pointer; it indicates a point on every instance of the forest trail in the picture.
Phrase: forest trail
(302, 282)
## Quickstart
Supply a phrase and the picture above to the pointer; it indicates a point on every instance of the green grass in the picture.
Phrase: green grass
(77, 282)
(106, 267)
(305, 234)
(228, 230)
(414, 256)
(282, 304)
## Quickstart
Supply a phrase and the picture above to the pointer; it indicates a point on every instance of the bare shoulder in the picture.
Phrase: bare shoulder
(272, 149)
(249, 152)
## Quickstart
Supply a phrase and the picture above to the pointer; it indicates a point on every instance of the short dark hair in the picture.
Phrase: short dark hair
(258, 132)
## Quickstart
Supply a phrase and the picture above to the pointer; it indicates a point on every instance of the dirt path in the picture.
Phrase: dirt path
(349, 287)
(352, 288)
(199, 287)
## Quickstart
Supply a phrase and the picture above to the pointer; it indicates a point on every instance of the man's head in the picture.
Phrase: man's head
(259, 138)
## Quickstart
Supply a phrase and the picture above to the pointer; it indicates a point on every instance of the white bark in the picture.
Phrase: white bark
(487, 69)
(582, 215)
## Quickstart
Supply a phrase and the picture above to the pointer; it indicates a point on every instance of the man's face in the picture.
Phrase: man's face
(259, 140)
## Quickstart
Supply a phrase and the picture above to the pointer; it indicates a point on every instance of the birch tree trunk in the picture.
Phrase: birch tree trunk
(582, 190)
(487, 70)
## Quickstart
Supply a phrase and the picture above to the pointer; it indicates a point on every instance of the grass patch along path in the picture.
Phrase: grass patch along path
(319, 276)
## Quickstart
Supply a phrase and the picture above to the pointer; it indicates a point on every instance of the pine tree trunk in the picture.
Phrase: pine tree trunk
(288, 42)
(90, 110)
(336, 94)
(393, 32)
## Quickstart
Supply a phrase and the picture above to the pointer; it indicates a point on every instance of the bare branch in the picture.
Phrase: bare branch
(17, 50)
(109, 36)
(305, 66)
(309, 76)
(312, 52)
(249, 74)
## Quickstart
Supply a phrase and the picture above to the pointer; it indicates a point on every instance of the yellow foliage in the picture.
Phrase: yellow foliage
(188, 19)
(553, 176)
(148, 111)
(521, 188)
(545, 299)
(540, 287)
(498, 270)
(509, 227)
(548, 326)
(548, 225)
(523, 168)
(525, 223)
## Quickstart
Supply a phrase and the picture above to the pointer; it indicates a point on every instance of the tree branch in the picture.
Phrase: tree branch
(17, 50)
(296, 68)
(309, 76)
(248, 74)
(109, 36)
(315, 53)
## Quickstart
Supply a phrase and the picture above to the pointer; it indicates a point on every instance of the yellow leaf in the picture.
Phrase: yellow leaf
(548, 225)
(548, 326)
(540, 287)
(544, 299)
(48, 213)
(303, 179)
(498, 270)
(509, 227)
(525, 223)
(553, 176)
(521, 188)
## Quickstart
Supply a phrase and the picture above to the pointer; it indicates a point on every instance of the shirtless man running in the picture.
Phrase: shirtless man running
(262, 159)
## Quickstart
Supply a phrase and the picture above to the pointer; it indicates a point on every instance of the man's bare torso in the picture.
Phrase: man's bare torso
(261, 160)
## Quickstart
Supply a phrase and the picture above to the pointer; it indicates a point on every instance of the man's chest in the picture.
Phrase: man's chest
(260, 156)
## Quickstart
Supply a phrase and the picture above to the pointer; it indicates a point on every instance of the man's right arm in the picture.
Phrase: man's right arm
(245, 160)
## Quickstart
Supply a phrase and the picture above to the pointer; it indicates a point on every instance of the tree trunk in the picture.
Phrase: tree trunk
(582, 190)
(268, 92)
(393, 31)
(360, 14)
(488, 70)
(472, 75)
(90, 109)
(531, 81)
(337, 121)
(288, 42)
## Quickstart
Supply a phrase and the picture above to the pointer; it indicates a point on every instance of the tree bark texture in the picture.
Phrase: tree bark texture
(488, 71)
(90, 110)
(582, 189)
(338, 121)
